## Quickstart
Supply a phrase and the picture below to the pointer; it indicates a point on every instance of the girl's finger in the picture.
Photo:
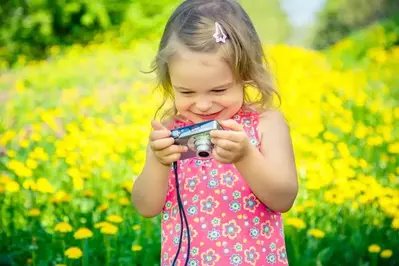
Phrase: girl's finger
(173, 149)
(159, 134)
(157, 125)
(172, 157)
(221, 134)
(236, 137)
(218, 158)
(232, 124)
(225, 144)
(161, 144)
(222, 152)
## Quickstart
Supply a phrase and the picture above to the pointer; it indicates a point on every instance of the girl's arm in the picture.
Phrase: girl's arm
(271, 173)
(150, 188)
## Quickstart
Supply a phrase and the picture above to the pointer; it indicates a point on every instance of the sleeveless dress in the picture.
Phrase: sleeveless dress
(228, 224)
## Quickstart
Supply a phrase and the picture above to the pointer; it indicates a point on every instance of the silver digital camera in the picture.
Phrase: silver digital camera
(196, 138)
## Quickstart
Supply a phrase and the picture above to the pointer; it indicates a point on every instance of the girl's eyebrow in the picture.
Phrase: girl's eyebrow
(217, 87)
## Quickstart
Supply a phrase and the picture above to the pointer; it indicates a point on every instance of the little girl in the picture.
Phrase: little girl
(209, 55)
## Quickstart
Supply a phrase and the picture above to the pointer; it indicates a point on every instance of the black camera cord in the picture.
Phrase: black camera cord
(182, 214)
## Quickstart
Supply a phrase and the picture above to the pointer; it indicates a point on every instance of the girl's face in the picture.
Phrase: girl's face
(204, 86)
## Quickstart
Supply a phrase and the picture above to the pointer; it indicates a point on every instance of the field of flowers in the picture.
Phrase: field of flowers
(73, 131)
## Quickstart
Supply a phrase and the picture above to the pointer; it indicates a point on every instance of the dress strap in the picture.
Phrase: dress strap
(249, 119)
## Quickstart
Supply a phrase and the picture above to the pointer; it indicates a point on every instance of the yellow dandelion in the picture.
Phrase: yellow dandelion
(19, 84)
(105, 175)
(24, 143)
(136, 248)
(109, 229)
(63, 227)
(83, 233)
(36, 137)
(44, 186)
(73, 253)
(101, 224)
(395, 223)
(29, 184)
(88, 193)
(61, 197)
(386, 253)
(299, 208)
(5, 179)
(102, 207)
(317, 233)
(127, 185)
(394, 148)
(136, 227)
(114, 219)
(296, 222)
(124, 201)
(12, 187)
(111, 196)
(32, 164)
(11, 153)
(77, 183)
(34, 212)
(374, 248)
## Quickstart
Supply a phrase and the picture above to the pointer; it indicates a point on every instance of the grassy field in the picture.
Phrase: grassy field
(73, 130)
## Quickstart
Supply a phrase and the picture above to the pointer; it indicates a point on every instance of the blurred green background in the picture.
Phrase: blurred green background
(31, 27)
(74, 120)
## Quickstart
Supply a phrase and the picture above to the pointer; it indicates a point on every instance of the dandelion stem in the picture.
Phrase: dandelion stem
(373, 260)
(33, 257)
(84, 253)
(106, 243)
(85, 250)
(63, 249)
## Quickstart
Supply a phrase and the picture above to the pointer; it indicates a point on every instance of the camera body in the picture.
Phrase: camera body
(196, 138)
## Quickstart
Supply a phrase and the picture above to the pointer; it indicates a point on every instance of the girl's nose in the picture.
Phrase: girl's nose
(203, 105)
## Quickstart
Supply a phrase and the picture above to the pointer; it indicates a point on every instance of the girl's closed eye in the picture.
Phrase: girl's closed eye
(219, 91)
(186, 92)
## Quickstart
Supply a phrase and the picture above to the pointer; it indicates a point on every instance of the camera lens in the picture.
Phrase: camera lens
(204, 150)
(203, 154)
(203, 146)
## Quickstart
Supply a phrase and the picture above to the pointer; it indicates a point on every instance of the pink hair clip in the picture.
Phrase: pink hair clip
(219, 34)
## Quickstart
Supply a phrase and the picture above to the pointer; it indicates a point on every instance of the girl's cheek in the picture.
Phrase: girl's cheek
(183, 103)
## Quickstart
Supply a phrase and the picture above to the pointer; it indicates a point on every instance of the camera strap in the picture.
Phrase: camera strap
(182, 215)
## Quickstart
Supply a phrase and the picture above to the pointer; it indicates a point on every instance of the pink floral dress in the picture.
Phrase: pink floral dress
(228, 224)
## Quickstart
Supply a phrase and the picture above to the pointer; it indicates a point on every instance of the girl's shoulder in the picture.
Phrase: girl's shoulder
(274, 117)
(266, 119)
(255, 111)
(264, 113)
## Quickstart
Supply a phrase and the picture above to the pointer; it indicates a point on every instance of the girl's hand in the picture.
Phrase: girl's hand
(232, 145)
(162, 145)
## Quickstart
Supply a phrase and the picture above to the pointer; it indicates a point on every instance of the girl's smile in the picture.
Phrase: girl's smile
(210, 116)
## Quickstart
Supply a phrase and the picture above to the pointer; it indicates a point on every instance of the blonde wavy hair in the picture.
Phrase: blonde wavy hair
(192, 24)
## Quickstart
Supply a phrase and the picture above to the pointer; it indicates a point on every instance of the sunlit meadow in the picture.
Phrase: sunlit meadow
(73, 130)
